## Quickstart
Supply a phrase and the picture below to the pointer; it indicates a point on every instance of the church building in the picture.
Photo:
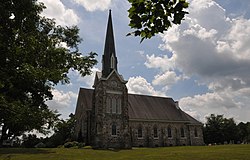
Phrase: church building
(107, 116)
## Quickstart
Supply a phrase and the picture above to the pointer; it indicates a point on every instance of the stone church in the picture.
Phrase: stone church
(110, 117)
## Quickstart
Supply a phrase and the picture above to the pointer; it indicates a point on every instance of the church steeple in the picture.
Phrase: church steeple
(109, 59)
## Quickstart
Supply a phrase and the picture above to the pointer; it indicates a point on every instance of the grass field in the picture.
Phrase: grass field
(223, 152)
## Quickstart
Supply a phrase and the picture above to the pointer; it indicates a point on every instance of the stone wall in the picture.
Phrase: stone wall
(149, 139)
(196, 135)
(110, 109)
(81, 115)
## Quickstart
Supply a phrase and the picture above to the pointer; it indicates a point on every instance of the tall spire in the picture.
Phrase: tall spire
(109, 59)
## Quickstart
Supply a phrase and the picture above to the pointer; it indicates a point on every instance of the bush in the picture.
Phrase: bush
(81, 145)
(71, 144)
(30, 141)
(40, 145)
(87, 147)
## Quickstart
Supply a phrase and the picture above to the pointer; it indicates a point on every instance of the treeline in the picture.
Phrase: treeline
(221, 130)
(63, 136)
(217, 130)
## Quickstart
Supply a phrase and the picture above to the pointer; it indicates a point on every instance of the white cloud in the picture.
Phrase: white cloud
(211, 46)
(57, 10)
(88, 80)
(166, 79)
(93, 5)
(139, 85)
(62, 101)
(216, 50)
(228, 103)
(163, 63)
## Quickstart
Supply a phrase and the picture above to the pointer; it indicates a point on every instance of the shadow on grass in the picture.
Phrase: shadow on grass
(24, 151)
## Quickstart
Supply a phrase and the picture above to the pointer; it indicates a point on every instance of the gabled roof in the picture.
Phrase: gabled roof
(100, 77)
(154, 108)
(85, 98)
(146, 108)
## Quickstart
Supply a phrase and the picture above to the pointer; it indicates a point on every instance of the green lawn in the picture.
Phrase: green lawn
(223, 152)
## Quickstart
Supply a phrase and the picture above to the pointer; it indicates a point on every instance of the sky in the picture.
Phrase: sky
(204, 63)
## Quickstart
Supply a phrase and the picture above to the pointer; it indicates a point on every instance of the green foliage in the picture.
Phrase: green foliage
(244, 132)
(150, 17)
(73, 144)
(32, 61)
(220, 130)
(222, 152)
(30, 141)
(87, 147)
(64, 130)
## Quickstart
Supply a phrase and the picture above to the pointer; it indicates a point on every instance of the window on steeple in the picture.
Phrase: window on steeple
(112, 61)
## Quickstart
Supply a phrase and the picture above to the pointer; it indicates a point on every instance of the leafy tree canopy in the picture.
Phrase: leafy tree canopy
(150, 17)
(63, 132)
(219, 130)
(32, 61)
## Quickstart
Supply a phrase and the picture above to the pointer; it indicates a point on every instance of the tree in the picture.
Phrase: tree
(63, 132)
(230, 130)
(30, 140)
(150, 17)
(219, 130)
(32, 61)
(213, 129)
(244, 132)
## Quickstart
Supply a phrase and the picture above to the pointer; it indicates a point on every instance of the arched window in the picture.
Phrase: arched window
(112, 61)
(113, 105)
(108, 105)
(169, 132)
(155, 132)
(113, 130)
(140, 131)
(195, 132)
(118, 109)
(182, 132)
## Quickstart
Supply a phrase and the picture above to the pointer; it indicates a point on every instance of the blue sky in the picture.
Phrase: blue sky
(204, 63)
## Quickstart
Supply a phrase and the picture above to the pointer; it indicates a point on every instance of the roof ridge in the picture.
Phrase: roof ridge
(156, 96)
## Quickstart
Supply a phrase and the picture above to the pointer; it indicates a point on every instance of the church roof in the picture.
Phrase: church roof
(145, 108)
(99, 76)
(85, 99)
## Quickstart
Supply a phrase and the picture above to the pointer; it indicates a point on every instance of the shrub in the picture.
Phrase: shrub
(87, 147)
(71, 144)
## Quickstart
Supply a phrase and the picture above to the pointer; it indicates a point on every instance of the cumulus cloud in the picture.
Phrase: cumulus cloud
(163, 63)
(62, 15)
(88, 80)
(62, 101)
(166, 79)
(91, 5)
(166, 76)
(215, 48)
(229, 103)
(139, 85)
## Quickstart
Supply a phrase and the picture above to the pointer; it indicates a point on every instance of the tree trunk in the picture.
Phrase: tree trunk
(4, 135)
